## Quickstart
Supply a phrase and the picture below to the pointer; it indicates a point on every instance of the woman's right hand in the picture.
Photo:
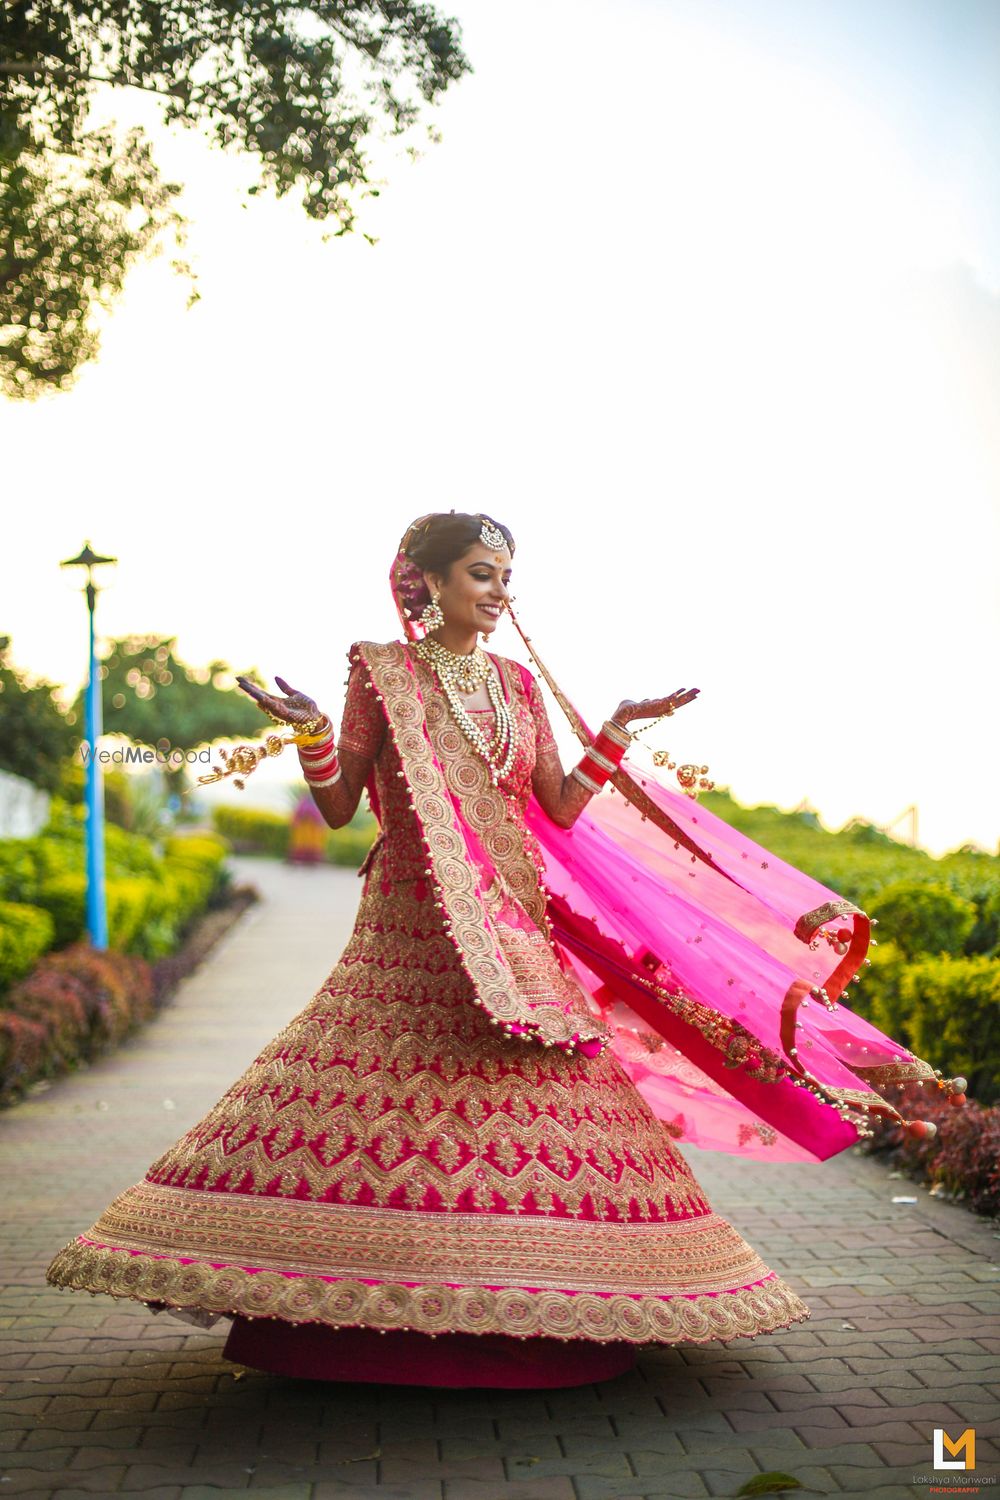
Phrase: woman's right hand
(294, 708)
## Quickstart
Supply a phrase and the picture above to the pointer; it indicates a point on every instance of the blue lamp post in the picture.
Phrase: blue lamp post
(97, 916)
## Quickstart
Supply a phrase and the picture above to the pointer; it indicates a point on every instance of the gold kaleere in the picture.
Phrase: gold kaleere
(690, 778)
(244, 759)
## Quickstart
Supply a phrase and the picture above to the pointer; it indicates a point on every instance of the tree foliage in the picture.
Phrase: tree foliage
(302, 89)
(73, 225)
(151, 697)
(36, 736)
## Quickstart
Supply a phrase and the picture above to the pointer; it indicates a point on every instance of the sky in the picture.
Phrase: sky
(701, 299)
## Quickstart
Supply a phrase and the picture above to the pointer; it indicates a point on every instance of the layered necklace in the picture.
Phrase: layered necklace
(464, 674)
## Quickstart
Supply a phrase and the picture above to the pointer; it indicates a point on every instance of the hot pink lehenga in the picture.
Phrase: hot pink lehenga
(457, 1165)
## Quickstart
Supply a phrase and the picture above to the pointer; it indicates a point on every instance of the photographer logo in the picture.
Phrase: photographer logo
(954, 1446)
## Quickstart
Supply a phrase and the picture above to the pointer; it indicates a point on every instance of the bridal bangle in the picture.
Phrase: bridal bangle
(318, 758)
(603, 757)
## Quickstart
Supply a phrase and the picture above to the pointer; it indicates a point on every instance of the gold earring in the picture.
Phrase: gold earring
(432, 615)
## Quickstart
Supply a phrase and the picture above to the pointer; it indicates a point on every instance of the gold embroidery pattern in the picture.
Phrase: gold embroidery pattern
(894, 1072)
(431, 1307)
(483, 805)
(703, 1254)
(468, 922)
(766, 1133)
(811, 920)
(391, 1089)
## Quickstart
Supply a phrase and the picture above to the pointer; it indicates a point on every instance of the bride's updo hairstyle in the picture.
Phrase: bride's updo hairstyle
(431, 545)
(439, 540)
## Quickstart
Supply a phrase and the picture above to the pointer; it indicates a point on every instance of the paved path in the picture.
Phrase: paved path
(104, 1398)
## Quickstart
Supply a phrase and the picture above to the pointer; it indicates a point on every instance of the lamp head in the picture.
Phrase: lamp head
(88, 558)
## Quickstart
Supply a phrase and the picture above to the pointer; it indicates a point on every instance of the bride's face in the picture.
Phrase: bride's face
(474, 594)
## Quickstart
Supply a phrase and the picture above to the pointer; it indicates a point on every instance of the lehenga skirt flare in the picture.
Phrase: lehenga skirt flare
(389, 1162)
(403, 1186)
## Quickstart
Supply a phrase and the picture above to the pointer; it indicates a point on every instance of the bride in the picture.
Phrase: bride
(458, 1164)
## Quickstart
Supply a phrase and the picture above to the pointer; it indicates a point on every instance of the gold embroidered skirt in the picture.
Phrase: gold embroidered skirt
(392, 1161)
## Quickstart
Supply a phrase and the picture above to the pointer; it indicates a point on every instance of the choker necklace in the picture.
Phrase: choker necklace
(463, 674)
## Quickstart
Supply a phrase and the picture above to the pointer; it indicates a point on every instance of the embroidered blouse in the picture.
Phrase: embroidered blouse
(364, 730)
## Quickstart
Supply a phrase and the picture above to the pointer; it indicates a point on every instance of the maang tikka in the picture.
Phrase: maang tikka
(491, 536)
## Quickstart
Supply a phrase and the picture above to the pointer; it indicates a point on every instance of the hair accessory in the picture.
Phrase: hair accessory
(492, 536)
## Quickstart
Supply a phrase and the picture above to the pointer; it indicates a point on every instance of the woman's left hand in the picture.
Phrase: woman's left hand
(653, 708)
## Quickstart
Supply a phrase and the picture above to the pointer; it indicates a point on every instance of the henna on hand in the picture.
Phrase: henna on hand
(295, 708)
(653, 708)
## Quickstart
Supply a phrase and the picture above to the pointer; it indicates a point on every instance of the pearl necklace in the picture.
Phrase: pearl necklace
(463, 674)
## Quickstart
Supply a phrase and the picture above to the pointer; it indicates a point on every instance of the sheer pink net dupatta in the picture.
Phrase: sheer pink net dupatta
(720, 968)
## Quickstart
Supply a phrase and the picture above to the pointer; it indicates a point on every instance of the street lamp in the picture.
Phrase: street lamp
(97, 916)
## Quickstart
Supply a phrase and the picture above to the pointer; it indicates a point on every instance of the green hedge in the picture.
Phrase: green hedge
(925, 917)
(146, 913)
(944, 1008)
(151, 898)
(252, 830)
(26, 932)
(255, 831)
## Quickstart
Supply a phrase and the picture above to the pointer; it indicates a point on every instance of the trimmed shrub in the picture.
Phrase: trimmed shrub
(924, 916)
(197, 863)
(117, 988)
(135, 906)
(942, 1008)
(25, 934)
(78, 1002)
(953, 1011)
(58, 1002)
(64, 897)
(253, 830)
(72, 1005)
(964, 1156)
(18, 870)
(23, 1053)
(148, 906)
(348, 846)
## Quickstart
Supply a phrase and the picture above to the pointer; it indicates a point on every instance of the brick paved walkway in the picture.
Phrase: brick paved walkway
(104, 1398)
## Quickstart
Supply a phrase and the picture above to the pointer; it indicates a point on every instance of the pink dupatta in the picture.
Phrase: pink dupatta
(719, 971)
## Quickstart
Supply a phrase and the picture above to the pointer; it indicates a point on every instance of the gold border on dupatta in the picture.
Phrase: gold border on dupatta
(450, 867)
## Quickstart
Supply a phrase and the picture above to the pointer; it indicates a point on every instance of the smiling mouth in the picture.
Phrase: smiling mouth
(493, 610)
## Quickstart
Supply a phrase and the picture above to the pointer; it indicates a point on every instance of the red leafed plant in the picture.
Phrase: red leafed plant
(964, 1155)
(23, 1053)
(60, 1003)
(119, 987)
